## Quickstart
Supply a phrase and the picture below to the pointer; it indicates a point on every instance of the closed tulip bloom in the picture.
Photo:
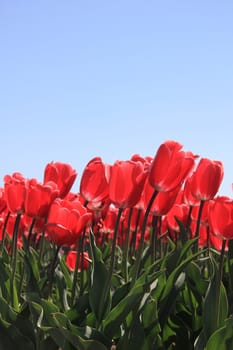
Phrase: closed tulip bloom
(2, 200)
(170, 166)
(62, 174)
(126, 183)
(39, 198)
(66, 221)
(188, 197)
(71, 260)
(179, 211)
(94, 181)
(207, 179)
(163, 201)
(14, 189)
(221, 217)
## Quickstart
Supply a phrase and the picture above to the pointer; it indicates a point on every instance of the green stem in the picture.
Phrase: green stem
(141, 242)
(52, 271)
(134, 235)
(219, 281)
(189, 219)
(30, 233)
(82, 263)
(42, 241)
(75, 277)
(107, 285)
(4, 231)
(199, 223)
(154, 236)
(126, 248)
(14, 254)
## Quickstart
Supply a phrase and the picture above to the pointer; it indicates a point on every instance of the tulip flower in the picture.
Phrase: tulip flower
(66, 221)
(170, 166)
(2, 200)
(163, 201)
(71, 260)
(39, 198)
(14, 189)
(179, 211)
(207, 179)
(62, 174)
(126, 183)
(188, 197)
(94, 182)
(221, 217)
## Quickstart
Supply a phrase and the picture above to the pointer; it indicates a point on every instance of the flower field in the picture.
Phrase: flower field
(140, 258)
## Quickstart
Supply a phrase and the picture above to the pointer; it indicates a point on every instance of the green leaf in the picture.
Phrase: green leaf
(118, 314)
(72, 337)
(222, 339)
(173, 285)
(99, 276)
(214, 315)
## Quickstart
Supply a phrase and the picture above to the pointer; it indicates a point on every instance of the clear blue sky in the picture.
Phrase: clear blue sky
(111, 78)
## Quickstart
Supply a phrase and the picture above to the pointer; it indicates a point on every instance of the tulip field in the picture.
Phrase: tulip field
(139, 258)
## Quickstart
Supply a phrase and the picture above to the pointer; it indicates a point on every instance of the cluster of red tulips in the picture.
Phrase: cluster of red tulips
(132, 223)
(182, 190)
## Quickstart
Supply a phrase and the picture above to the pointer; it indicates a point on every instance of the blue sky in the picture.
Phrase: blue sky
(108, 78)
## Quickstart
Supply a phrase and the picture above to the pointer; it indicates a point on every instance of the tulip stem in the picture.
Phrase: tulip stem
(219, 281)
(107, 285)
(52, 270)
(126, 247)
(189, 219)
(75, 277)
(199, 223)
(4, 231)
(141, 242)
(30, 233)
(14, 255)
(134, 235)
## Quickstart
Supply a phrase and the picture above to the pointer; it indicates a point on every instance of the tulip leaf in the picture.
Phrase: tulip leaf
(222, 338)
(119, 313)
(219, 310)
(172, 287)
(99, 277)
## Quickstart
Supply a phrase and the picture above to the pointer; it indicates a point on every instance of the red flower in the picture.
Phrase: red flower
(179, 211)
(188, 197)
(62, 174)
(207, 179)
(94, 182)
(39, 198)
(126, 183)
(2, 200)
(14, 188)
(71, 260)
(66, 220)
(163, 201)
(170, 166)
(221, 217)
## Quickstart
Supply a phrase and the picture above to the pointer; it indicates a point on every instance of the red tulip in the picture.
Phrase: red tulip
(39, 198)
(126, 183)
(94, 182)
(14, 188)
(206, 179)
(62, 174)
(71, 260)
(170, 166)
(188, 197)
(2, 200)
(221, 217)
(179, 211)
(66, 221)
(163, 201)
